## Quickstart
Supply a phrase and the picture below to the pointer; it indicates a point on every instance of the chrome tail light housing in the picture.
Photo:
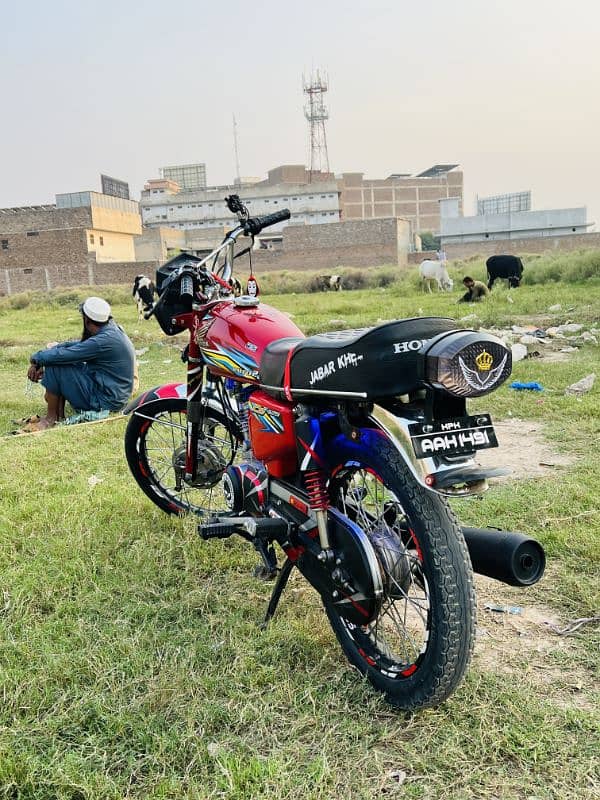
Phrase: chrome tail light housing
(466, 363)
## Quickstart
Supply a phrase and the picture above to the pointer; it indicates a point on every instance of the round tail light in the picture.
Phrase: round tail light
(466, 363)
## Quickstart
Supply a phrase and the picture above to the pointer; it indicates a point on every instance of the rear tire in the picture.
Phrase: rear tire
(155, 449)
(418, 647)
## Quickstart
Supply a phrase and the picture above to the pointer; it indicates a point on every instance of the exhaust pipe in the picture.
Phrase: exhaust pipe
(507, 556)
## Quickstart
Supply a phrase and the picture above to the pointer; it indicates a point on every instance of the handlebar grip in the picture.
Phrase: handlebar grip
(255, 224)
(186, 285)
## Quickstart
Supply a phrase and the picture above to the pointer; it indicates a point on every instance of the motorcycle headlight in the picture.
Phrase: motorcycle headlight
(466, 363)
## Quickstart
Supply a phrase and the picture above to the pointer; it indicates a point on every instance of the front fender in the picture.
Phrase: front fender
(178, 391)
(166, 392)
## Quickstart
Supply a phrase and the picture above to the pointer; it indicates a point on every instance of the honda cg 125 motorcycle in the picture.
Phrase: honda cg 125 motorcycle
(340, 450)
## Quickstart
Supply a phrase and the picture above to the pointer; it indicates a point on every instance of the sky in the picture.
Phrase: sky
(508, 89)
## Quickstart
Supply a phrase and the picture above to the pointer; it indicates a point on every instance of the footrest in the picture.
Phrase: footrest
(217, 530)
(270, 528)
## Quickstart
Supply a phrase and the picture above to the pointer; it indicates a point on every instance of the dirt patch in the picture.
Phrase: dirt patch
(556, 356)
(526, 647)
(523, 449)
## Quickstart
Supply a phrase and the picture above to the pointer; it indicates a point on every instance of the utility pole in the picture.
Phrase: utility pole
(238, 179)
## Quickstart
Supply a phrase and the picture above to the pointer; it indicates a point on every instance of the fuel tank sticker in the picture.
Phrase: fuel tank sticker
(270, 420)
(232, 361)
(202, 330)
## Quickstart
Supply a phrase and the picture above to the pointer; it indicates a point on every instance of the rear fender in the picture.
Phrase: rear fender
(461, 477)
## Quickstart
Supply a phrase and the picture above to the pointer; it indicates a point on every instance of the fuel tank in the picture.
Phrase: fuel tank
(232, 337)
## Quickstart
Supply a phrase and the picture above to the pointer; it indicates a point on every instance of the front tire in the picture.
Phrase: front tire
(418, 647)
(155, 450)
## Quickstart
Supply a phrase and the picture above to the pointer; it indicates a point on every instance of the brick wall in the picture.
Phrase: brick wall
(44, 278)
(31, 237)
(62, 246)
(43, 219)
(340, 234)
(325, 259)
(363, 243)
(416, 258)
(541, 244)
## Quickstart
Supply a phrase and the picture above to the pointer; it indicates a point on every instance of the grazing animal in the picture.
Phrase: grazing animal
(327, 282)
(236, 287)
(143, 294)
(508, 267)
(435, 271)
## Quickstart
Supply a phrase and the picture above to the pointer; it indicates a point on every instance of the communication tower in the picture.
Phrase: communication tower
(316, 113)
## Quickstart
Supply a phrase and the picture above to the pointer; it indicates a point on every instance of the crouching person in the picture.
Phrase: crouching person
(94, 374)
(476, 290)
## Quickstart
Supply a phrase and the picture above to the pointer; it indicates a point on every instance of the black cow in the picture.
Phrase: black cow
(143, 294)
(509, 267)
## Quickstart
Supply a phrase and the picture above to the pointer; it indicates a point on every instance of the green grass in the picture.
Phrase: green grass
(131, 660)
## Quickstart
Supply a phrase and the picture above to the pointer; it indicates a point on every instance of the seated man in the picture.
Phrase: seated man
(476, 291)
(94, 374)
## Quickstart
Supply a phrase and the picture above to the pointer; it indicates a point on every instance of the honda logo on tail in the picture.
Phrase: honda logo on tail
(409, 347)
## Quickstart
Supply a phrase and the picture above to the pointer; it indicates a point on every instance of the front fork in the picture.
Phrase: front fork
(202, 390)
(195, 408)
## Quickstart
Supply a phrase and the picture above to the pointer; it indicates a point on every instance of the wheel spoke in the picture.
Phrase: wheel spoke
(163, 451)
(399, 633)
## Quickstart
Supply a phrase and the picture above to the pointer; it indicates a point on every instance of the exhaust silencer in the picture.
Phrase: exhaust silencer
(507, 556)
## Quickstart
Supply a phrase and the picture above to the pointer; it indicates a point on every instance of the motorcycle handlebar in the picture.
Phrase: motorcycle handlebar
(255, 225)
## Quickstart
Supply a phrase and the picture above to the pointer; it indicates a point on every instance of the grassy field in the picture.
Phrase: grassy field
(131, 660)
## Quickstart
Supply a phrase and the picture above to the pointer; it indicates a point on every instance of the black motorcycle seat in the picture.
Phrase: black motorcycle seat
(273, 360)
(379, 362)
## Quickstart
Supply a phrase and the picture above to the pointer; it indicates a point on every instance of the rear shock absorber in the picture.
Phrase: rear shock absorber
(242, 395)
(315, 480)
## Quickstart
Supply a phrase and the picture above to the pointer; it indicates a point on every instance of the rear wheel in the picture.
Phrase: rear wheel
(417, 648)
(155, 442)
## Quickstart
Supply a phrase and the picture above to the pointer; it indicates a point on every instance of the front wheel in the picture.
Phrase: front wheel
(418, 647)
(155, 445)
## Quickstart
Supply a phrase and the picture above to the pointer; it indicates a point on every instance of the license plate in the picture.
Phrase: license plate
(451, 437)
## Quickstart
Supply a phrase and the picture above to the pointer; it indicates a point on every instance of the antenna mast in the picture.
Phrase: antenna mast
(315, 111)
(238, 179)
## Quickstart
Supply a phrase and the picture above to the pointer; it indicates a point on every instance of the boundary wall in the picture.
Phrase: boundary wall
(533, 245)
(44, 278)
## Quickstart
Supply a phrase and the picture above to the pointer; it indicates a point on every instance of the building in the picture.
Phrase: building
(190, 177)
(162, 243)
(164, 204)
(114, 223)
(81, 227)
(312, 200)
(511, 225)
(412, 197)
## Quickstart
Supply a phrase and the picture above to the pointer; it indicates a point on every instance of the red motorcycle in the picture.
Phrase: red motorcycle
(341, 450)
